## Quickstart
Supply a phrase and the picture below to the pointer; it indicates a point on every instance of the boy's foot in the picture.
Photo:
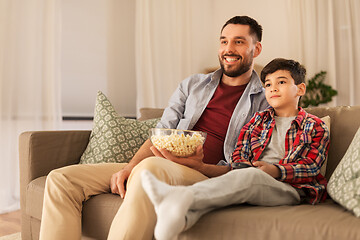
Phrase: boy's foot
(171, 204)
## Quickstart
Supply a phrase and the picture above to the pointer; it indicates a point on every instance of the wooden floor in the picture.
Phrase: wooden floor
(10, 223)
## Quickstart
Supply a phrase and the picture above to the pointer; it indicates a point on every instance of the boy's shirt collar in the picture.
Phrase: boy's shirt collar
(300, 118)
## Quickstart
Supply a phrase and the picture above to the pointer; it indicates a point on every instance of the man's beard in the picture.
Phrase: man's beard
(241, 69)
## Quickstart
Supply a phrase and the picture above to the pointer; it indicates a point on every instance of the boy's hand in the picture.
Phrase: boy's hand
(270, 169)
(195, 161)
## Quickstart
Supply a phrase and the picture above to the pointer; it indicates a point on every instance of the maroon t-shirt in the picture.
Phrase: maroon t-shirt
(215, 120)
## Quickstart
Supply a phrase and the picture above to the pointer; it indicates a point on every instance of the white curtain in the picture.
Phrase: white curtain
(167, 46)
(29, 82)
(325, 35)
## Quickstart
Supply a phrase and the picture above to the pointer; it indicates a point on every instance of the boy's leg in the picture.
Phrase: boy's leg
(136, 217)
(249, 185)
(171, 205)
(238, 186)
(65, 190)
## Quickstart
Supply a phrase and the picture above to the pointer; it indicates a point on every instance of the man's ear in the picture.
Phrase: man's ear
(301, 89)
(257, 50)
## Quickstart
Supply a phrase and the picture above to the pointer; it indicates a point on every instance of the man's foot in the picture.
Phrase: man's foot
(171, 204)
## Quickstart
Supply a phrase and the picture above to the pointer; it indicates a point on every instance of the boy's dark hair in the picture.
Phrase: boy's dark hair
(297, 71)
(255, 28)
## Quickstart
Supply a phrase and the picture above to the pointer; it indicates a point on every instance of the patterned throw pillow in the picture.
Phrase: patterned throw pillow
(344, 183)
(114, 138)
(327, 121)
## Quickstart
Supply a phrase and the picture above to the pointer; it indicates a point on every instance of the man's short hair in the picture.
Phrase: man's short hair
(255, 28)
(297, 71)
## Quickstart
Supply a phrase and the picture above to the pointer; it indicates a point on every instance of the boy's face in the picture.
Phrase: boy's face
(282, 93)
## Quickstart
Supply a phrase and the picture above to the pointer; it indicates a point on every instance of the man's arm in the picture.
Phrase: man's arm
(170, 119)
(195, 162)
(118, 180)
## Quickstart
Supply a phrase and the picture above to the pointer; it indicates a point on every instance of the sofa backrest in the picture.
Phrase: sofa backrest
(345, 120)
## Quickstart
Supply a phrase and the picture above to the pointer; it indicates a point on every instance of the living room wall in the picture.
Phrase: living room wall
(98, 41)
(98, 54)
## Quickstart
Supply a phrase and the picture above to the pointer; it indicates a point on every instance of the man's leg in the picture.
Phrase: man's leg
(65, 190)
(238, 186)
(136, 217)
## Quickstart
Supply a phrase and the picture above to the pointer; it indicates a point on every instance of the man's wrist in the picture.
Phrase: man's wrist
(211, 170)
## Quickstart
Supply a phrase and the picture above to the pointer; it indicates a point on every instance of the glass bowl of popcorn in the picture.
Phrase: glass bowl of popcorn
(181, 143)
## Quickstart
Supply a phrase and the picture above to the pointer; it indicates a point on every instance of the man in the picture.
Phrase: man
(218, 103)
(277, 161)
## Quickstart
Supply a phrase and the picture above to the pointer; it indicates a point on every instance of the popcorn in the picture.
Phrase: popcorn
(179, 145)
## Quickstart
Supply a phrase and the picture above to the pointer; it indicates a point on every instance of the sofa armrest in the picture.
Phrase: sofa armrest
(42, 151)
(39, 153)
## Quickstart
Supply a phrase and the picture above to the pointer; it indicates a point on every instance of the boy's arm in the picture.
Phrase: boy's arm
(242, 152)
(307, 166)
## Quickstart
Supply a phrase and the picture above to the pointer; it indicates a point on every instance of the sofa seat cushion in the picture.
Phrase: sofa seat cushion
(97, 207)
(323, 221)
(248, 222)
(98, 213)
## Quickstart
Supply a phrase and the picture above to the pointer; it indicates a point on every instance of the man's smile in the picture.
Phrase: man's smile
(231, 59)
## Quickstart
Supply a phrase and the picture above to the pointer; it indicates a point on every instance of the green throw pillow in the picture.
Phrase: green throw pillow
(114, 138)
(344, 183)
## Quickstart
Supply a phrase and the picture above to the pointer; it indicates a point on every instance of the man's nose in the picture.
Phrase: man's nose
(230, 47)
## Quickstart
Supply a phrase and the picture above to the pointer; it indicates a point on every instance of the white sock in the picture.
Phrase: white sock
(171, 204)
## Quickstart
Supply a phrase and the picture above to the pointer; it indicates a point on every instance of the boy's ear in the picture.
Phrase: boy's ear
(301, 89)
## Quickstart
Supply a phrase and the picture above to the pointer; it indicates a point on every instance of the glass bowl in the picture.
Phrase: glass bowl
(181, 143)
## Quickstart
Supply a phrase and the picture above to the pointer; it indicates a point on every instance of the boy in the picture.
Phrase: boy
(277, 160)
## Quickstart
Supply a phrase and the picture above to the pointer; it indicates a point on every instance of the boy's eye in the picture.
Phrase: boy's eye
(267, 85)
(282, 82)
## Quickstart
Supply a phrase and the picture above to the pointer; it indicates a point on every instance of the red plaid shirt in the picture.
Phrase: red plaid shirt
(306, 147)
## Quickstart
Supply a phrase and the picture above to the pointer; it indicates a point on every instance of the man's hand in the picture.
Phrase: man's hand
(270, 169)
(118, 182)
(195, 161)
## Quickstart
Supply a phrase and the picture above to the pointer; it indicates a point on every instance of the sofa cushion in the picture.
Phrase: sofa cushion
(114, 138)
(344, 184)
(322, 221)
(344, 124)
(150, 113)
(327, 121)
(245, 221)
(98, 213)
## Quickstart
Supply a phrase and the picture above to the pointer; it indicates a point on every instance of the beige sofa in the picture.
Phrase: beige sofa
(42, 151)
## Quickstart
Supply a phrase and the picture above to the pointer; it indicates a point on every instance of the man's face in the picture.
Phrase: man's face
(236, 50)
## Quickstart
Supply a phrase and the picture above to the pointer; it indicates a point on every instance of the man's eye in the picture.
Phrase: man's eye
(239, 42)
(223, 42)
